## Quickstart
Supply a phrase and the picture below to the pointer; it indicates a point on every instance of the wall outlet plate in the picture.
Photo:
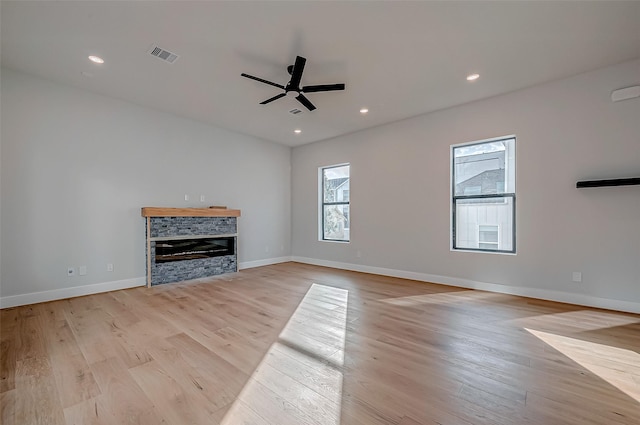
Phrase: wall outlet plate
(576, 277)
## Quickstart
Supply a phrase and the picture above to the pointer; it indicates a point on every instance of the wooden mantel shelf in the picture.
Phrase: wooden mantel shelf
(189, 212)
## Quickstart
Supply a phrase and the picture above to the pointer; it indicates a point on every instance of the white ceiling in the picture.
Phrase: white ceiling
(399, 59)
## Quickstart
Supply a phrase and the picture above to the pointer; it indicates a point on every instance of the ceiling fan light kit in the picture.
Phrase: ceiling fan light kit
(293, 88)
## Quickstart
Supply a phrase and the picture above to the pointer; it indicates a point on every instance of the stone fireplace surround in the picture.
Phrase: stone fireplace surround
(183, 223)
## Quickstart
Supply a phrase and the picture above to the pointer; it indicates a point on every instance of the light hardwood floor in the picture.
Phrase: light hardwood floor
(300, 344)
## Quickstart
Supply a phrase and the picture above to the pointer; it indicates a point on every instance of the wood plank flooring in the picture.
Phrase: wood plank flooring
(306, 345)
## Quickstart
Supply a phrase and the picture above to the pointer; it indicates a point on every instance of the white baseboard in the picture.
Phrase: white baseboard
(75, 291)
(78, 291)
(542, 294)
(260, 263)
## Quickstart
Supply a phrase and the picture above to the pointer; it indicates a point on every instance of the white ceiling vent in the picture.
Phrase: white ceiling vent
(295, 111)
(163, 54)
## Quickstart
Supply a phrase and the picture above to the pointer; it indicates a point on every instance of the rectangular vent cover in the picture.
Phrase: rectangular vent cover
(165, 55)
(295, 111)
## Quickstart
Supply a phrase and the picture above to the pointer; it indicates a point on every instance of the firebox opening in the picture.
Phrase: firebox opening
(190, 249)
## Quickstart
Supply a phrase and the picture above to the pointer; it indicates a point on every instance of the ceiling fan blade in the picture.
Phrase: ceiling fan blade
(263, 81)
(276, 97)
(305, 102)
(323, 87)
(296, 74)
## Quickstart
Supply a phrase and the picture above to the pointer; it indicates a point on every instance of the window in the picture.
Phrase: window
(484, 196)
(488, 237)
(334, 205)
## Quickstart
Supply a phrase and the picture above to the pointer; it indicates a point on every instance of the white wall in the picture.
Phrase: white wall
(566, 131)
(0, 183)
(77, 167)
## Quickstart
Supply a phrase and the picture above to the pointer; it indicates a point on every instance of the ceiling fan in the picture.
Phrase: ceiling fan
(293, 86)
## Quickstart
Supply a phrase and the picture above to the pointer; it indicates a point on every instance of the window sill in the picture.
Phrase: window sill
(481, 252)
(333, 241)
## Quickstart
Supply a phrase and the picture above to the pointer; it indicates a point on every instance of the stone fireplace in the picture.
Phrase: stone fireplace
(190, 243)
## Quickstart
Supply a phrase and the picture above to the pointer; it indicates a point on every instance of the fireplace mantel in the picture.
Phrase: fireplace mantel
(189, 212)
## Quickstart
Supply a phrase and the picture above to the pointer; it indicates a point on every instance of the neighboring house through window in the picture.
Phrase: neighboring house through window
(334, 203)
(483, 196)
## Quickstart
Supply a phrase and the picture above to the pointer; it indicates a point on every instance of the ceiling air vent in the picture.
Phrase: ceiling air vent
(163, 54)
(295, 111)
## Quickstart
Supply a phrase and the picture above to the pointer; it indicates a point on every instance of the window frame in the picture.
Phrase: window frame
(503, 195)
(322, 203)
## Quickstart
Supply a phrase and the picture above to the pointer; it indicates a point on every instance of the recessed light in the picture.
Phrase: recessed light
(297, 131)
(364, 110)
(96, 59)
(473, 77)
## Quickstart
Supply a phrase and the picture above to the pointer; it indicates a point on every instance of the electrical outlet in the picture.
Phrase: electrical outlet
(186, 197)
(109, 267)
(71, 271)
(576, 277)
(82, 270)
(201, 198)
(266, 248)
(358, 254)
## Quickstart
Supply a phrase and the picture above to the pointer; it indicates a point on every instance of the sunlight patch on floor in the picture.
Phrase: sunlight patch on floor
(617, 366)
(299, 380)
(584, 320)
